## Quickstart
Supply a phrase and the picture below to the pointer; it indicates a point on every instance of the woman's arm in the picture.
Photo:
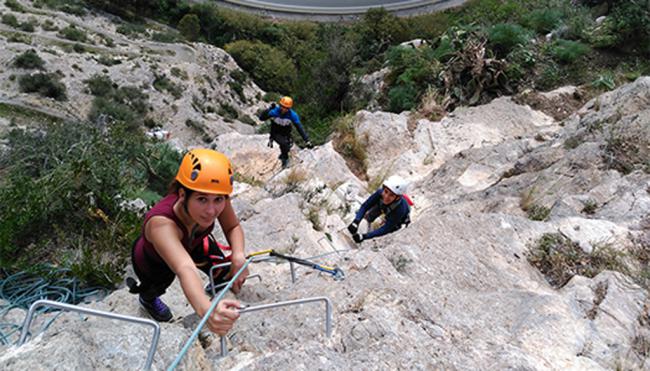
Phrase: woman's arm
(166, 239)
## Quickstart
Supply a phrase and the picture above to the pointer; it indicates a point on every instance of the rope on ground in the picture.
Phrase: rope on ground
(20, 290)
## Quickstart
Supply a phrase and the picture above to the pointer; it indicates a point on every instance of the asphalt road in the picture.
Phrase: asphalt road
(334, 9)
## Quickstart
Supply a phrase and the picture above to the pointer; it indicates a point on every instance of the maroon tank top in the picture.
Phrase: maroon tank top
(145, 257)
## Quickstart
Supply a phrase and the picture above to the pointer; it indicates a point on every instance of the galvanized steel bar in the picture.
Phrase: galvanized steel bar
(207, 315)
(293, 272)
(95, 312)
(328, 314)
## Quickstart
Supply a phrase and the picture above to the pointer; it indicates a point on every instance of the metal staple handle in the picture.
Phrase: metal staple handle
(95, 312)
(328, 314)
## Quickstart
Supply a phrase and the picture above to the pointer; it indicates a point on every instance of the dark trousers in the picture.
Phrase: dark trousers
(372, 214)
(155, 284)
(285, 142)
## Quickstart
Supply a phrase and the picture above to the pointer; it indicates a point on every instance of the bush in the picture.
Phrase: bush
(14, 5)
(504, 37)
(190, 27)
(46, 85)
(100, 85)
(412, 71)
(543, 20)
(270, 67)
(559, 259)
(27, 27)
(163, 83)
(10, 20)
(127, 105)
(61, 196)
(29, 60)
(566, 51)
(377, 31)
(74, 34)
(48, 25)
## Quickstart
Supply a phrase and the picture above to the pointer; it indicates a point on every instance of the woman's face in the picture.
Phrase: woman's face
(204, 208)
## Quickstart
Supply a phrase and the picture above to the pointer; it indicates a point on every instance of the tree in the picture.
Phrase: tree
(190, 27)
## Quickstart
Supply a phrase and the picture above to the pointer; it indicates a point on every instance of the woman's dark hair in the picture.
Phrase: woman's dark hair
(175, 186)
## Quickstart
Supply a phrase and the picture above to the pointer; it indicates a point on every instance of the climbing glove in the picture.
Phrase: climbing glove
(357, 237)
(270, 142)
(353, 227)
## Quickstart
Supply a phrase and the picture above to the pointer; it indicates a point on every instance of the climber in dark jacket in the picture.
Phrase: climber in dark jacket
(391, 202)
(282, 118)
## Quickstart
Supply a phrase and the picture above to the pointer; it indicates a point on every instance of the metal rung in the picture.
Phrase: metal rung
(95, 312)
(328, 314)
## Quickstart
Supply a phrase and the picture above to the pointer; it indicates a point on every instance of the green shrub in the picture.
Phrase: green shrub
(190, 27)
(108, 61)
(27, 27)
(100, 85)
(412, 71)
(29, 60)
(47, 85)
(14, 5)
(559, 259)
(131, 29)
(504, 37)
(10, 20)
(127, 105)
(163, 83)
(60, 199)
(179, 73)
(74, 34)
(48, 25)
(544, 20)
(604, 82)
(566, 51)
(270, 67)
(377, 31)
(165, 37)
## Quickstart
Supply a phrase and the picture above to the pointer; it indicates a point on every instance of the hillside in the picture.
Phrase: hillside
(528, 246)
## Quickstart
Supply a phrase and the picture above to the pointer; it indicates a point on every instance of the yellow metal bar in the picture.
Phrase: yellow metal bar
(259, 253)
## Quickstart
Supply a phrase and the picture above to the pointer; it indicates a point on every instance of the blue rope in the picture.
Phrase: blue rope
(21, 289)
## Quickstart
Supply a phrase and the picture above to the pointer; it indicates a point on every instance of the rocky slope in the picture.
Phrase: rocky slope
(202, 83)
(454, 290)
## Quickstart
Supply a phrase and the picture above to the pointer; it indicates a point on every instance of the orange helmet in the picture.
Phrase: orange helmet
(205, 170)
(286, 102)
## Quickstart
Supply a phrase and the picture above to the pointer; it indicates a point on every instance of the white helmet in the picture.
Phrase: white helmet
(396, 184)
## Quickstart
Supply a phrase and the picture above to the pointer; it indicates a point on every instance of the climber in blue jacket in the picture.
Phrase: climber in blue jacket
(392, 202)
(282, 118)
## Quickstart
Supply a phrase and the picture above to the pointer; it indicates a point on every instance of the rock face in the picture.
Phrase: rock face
(454, 290)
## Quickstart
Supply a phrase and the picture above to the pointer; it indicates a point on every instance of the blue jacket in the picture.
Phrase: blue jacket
(396, 214)
(281, 123)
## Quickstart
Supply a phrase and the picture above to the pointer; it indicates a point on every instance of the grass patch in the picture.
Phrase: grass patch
(559, 259)
(352, 147)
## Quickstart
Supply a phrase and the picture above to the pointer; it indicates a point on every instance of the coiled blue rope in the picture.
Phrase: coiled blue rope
(20, 290)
